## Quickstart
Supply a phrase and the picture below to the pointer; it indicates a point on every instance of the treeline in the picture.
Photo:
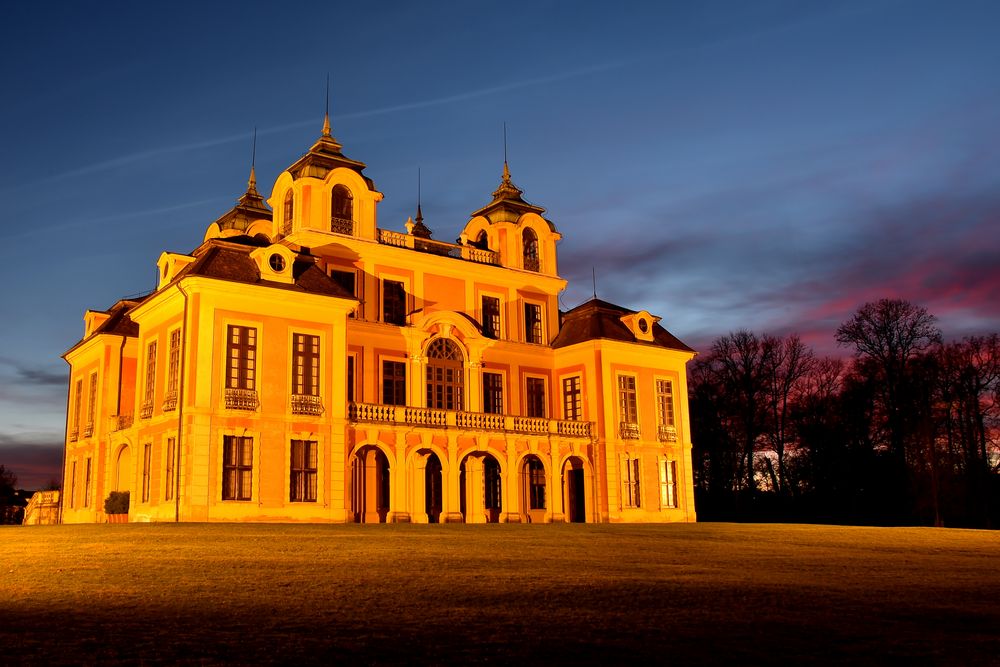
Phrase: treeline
(906, 432)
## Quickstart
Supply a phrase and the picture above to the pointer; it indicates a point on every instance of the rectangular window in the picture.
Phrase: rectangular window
(572, 399)
(630, 480)
(536, 485)
(302, 488)
(665, 402)
(86, 484)
(668, 484)
(169, 480)
(77, 407)
(493, 393)
(394, 383)
(347, 280)
(535, 397)
(241, 354)
(146, 458)
(491, 317)
(72, 486)
(350, 378)
(532, 323)
(305, 365)
(147, 397)
(629, 426)
(393, 302)
(237, 467)
(173, 370)
(91, 405)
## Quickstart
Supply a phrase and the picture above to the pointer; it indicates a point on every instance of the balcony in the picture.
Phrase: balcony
(74, 435)
(170, 401)
(241, 399)
(303, 404)
(628, 431)
(121, 422)
(466, 252)
(342, 226)
(666, 433)
(146, 411)
(470, 421)
(531, 264)
(88, 430)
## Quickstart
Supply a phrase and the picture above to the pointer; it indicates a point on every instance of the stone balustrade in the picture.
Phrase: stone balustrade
(472, 421)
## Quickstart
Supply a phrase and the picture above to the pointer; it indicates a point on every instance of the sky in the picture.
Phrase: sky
(769, 165)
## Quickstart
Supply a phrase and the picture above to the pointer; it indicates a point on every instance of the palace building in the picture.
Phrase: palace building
(304, 364)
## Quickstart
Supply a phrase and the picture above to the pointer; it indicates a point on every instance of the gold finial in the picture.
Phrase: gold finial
(326, 116)
(252, 181)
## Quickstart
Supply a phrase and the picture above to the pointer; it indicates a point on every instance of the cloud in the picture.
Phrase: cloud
(36, 461)
(45, 376)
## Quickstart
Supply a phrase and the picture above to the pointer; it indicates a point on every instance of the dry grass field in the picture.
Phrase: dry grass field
(453, 594)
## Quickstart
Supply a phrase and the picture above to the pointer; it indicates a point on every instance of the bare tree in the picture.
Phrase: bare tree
(786, 365)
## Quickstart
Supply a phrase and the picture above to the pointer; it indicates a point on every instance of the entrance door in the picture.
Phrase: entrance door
(432, 489)
(577, 505)
(491, 479)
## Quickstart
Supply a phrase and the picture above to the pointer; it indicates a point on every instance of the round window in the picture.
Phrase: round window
(643, 326)
(277, 262)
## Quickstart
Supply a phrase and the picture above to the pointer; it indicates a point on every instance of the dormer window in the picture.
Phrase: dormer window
(287, 214)
(277, 262)
(341, 211)
(530, 242)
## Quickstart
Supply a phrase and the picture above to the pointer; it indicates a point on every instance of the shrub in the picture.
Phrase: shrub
(116, 502)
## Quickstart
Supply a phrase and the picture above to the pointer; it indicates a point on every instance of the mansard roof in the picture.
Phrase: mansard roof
(508, 205)
(248, 208)
(324, 156)
(597, 319)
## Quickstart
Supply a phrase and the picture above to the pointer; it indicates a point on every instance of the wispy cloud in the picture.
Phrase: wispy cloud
(36, 375)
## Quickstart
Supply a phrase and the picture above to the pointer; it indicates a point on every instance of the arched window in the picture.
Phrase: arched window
(482, 241)
(341, 210)
(530, 242)
(445, 375)
(534, 483)
(287, 214)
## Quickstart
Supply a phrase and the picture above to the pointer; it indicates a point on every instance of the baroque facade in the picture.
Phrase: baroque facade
(303, 364)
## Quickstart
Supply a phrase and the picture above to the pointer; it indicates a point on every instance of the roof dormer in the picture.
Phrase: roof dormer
(641, 324)
(275, 263)
(92, 319)
(169, 265)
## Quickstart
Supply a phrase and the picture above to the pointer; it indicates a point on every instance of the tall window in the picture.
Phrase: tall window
(341, 210)
(393, 302)
(629, 427)
(237, 467)
(492, 484)
(491, 317)
(147, 396)
(536, 483)
(535, 397)
(241, 372)
(72, 486)
(168, 478)
(77, 407)
(445, 375)
(350, 377)
(572, 399)
(91, 406)
(173, 370)
(668, 484)
(305, 365)
(665, 402)
(532, 323)
(302, 486)
(493, 393)
(394, 382)
(86, 483)
(630, 480)
(347, 280)
(146, 458)
(530, 242)
(287, 213)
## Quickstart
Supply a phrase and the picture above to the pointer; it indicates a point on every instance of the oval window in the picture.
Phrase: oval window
(277, 263)
(643, 326)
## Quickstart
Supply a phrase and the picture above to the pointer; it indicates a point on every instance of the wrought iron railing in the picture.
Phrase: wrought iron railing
(121, 422)
(74, 435)
(146, 411)
(628, 431)
(531, 264)
(88, 430)
(170, 401)
(666, 433)
(342, 226)
(241, 399)
(480, 421)
(304, 404)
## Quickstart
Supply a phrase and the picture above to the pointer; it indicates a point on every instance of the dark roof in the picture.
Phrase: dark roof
(323, 157)
(508, 205)
(597, 319)
(248, 208)
(118, 323)
(226, 260)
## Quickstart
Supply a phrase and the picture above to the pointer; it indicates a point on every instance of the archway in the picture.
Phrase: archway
(370, 477)
(529, 242)
(481, 488)
(533, 491)
(574, 490)
(123, 470)
(432, 489)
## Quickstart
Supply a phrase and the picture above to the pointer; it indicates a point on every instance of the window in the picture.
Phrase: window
(276, 262)
(536, 483)
(241, 368)
(630, 480)
(146, 454)
(305, 365)
(287, 214)
(535, 397)
(347, 280)
(86, 483)
(530, 242)
(668, 484)
(493, 393)
(394, 382)
(237, 467)
(492, 484)
(302, 485)
(445, 375)
(91, 406)
(173, 370)
(532, 323)
(77, 407)
(72, 486)
(665, 410)
(341, 210)
(169, 480)
(629, 427)
(147, 398)
(350, 377)
(491, 317)
(572, 399)
(393, 302)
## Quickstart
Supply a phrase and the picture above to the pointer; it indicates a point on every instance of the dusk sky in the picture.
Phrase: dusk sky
(724, 165)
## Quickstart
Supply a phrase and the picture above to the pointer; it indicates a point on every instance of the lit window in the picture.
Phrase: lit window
(146, 459)
(445, 375)
(147, 398)
(668, 484)
(305, 365)
(241, 369)
(630, 481)
(572, 399)
(629, 426)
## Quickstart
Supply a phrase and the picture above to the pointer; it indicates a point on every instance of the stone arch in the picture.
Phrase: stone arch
(532, 478)
(123, 474)
(577, 482)
(341, 209)
(371, 483)
(530, 250)
(481, 486)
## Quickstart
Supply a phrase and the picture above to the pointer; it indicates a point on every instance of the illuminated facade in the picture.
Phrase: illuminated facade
(303, 364)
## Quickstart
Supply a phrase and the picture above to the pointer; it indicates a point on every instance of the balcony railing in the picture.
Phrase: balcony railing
(88, 430)
(342, 226)
(628, 431)
(466, 252)
(666, 433)
(478, 421)
(146, 411)
(304, 404)
(170, 401)
(241, 399)
(121, 422)
(531, 264)
(74, 435)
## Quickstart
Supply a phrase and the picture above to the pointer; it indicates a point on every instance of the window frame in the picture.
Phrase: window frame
(532, 401)
(356, 289)
(91, 404)
(567, 395)
(631, 481)
(170, 468)
(494, 405)
(494, 330)
(240, 489)
(398, 381)
(534, 332)
(667, 470)
(245, 377)
(173, 363)
(87, 481)
(149, 381)
(400, 318)
(308, 360)
(628, 406)
(303, 471)
(147, 459)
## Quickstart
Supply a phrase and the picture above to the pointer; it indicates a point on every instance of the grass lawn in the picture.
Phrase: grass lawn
(605, 594)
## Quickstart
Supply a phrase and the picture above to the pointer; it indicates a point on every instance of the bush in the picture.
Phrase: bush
(116, 502)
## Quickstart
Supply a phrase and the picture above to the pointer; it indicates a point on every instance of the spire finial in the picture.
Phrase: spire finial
(326, 115)
(420, 215)
(593, 273)
(252, 182)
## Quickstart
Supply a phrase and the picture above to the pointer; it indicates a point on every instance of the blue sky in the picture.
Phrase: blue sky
(769, 165)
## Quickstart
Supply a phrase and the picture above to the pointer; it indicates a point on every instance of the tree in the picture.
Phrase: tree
(787, 363)
(8, 493)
